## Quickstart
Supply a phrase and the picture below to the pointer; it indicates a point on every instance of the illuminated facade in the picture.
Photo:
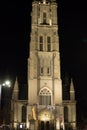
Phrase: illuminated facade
(45, 108)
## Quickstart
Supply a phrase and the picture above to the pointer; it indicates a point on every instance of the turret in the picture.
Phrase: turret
(35, 12)
(72, 91)
(54, 12)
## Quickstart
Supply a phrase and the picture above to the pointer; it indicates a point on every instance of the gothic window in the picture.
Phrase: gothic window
(44, 18)
(41, 43)
(48, 44)
(66, 114)
(23, 113)
(45, 97)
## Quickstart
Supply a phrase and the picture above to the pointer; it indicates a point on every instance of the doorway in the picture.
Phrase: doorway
(45, 125)
(45, 120)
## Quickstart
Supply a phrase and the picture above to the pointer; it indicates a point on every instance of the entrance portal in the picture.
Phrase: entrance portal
(46, 120)
(46, 125)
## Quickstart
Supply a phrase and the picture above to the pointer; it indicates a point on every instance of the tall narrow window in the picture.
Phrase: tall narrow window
(66, 114)
(41, 70)
(48, 70)
(48, 44)
(44, 18)
(41, 43)
(24, 114)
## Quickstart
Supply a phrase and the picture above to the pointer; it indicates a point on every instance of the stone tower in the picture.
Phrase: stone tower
(45, 108)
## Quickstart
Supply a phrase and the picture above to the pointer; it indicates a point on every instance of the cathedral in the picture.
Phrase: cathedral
(46, 108)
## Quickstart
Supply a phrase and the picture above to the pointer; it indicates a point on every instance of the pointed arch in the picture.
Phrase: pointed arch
(45, 91)
(45, 96)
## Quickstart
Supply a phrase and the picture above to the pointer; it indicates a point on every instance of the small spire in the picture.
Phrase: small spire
(15, 90)
(16, 85)
(71, 86)
(72, 91)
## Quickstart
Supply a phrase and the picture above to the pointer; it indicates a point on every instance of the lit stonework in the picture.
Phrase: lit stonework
(45, 108)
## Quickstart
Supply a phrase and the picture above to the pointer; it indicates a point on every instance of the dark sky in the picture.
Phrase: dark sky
(14, 39)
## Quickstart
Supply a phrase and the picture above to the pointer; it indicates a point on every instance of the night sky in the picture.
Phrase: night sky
(14, 42)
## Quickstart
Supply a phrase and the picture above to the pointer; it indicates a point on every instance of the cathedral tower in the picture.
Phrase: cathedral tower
(44, 60)
(45, 108)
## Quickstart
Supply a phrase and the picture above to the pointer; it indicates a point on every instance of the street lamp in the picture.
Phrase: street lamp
(7, 83)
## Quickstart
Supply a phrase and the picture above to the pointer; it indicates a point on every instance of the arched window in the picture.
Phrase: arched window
(45, 96)
(23, 113)
(65, 114)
